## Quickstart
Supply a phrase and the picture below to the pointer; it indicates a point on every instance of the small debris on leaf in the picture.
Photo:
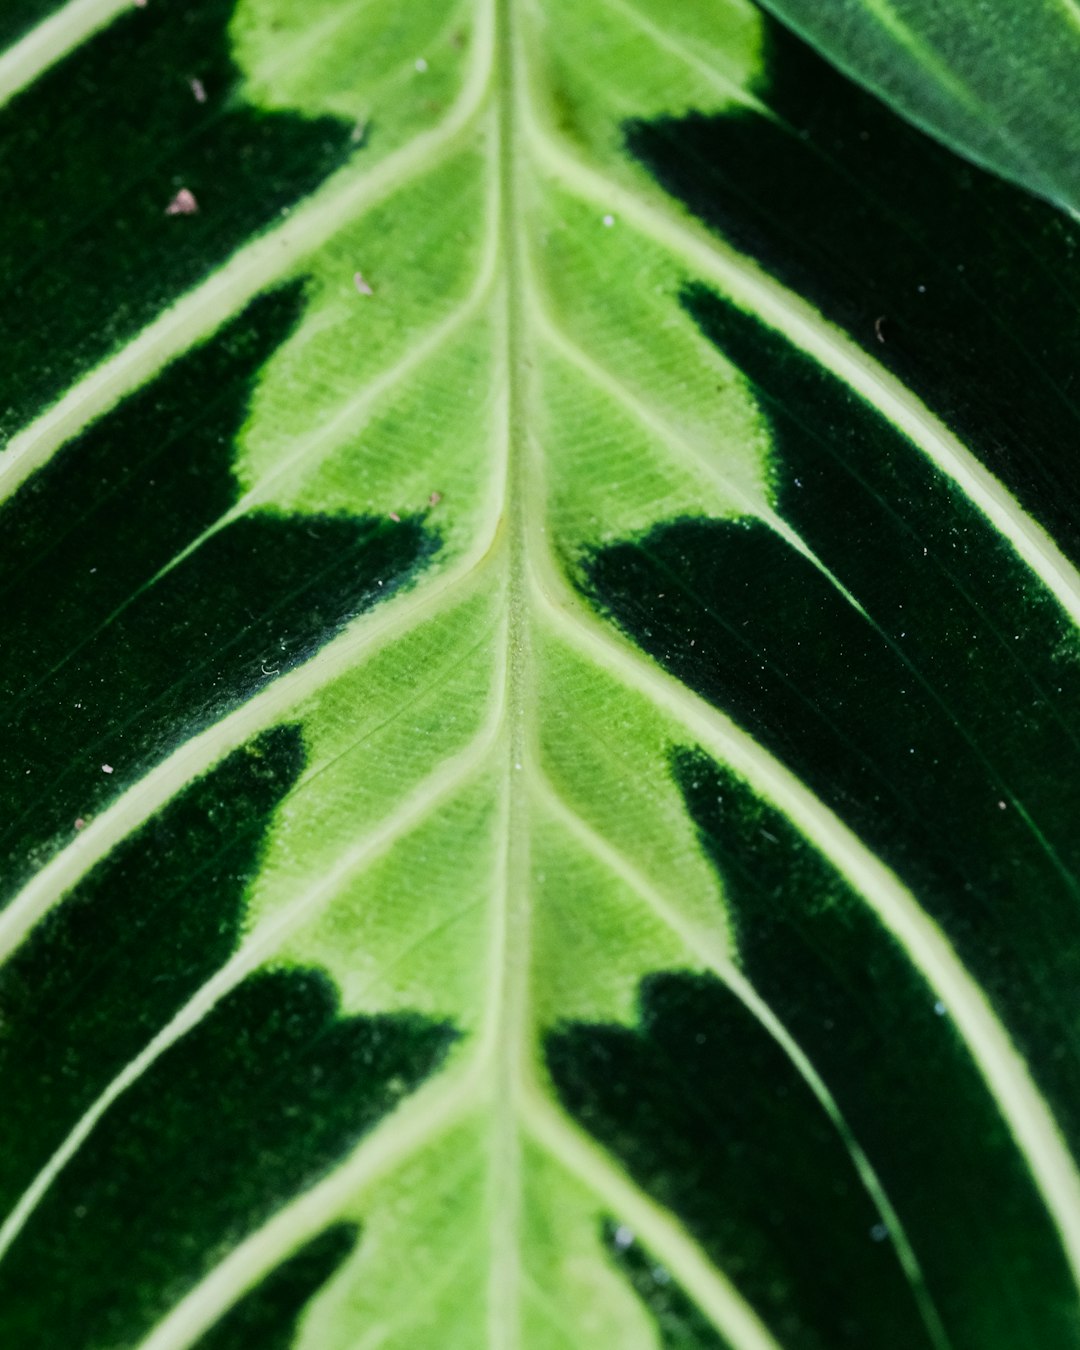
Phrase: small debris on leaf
(878, 322)
(183, 204)
(106, 768)
(358, 133)
(361, 285)
(421, 64)
(395, 517)
(199, 90)
(434, 499)
(609, 221)
(80, 823)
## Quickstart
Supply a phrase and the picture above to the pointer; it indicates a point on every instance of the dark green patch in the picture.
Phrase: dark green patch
(251, 1107)
(943, 729)
(976, 285)
(266, 1319)
(111, 657)
(900, 1075)
(706, 1112)
(105, 971)
(18, 16)
(90, 157)
(678, 1319)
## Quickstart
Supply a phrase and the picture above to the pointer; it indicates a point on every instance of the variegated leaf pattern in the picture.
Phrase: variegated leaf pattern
(541, 691)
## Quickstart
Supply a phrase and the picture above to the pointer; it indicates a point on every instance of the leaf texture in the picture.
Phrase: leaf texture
(541, 688)
(990, 81)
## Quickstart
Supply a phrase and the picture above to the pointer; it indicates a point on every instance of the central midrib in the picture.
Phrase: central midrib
(512, 1048)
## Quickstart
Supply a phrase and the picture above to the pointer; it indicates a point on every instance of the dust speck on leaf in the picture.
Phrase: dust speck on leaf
(361, 285)
(183, 204)
(395, 517)
(198, 89)
(106, 768)
(879, 324)
(435, 499)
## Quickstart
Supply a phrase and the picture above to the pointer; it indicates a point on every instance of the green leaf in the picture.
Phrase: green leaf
(538, 782)
(992, 80)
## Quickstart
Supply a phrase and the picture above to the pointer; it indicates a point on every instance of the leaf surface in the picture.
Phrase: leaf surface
(992, 80)
(541, 692)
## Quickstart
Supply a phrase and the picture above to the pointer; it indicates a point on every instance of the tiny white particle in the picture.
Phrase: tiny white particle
(421, 64)
(199, 91)
(939, 1008)
(1001, 806)
(106, 768)
(623, 1237)
(609, 221)
(879, 1232)
(361, 285)
(183, 204)
(660, 1275)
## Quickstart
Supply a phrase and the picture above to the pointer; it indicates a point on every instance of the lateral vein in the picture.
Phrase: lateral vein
(450, 778)
(384, 624)
(718, 958)
(782, 310)
(268, 259)
(1002, 1067)
(664, 1236)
